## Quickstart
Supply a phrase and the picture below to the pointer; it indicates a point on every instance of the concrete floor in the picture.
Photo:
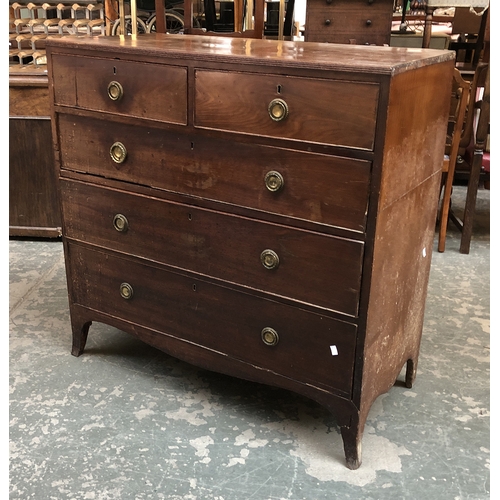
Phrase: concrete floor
(125, 421)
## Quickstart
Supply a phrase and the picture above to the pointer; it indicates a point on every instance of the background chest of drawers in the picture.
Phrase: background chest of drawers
(349, 21)
(254, 207)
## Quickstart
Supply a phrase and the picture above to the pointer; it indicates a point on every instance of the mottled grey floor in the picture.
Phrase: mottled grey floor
(125, 421)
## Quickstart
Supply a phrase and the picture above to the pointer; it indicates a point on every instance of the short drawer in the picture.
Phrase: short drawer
(325, 189)
(153, 91)
(304, 346)
(341, 113)
(300, 265)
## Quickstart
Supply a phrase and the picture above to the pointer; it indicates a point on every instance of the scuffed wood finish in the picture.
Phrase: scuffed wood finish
(152, 91)
(192, 164)
(351, 223)
(217, 244)
(265, 53)
(195, 306)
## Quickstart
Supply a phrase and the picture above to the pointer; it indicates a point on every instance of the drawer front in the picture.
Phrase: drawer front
(320, 111)
(153, 91)
(300, 265)
(339, 21)
(311, 348)
(324, 189)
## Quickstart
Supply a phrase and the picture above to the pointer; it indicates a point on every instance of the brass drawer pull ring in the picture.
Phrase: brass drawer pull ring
(278, 110)
(126, 291)
(120, 223)
(269, 259)
(118, 152)
(115, 91)
(274, 181)
(269, 336)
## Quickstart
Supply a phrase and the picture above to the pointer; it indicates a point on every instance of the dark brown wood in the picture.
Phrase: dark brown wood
(188, 308)
(167, 244)
(28, 101)
(460, 100)
(33, 200)
(358, 22)
(160, 16)
(482, 131)
(140, 83)
(217, 245)
(192, 164)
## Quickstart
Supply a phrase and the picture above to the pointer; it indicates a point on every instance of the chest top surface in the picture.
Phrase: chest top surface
(356, 58)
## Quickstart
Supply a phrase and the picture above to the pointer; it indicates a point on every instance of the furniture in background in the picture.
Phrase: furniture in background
(432, 5)
(33, 203)
(477, 125)
(361, 22)
(460, 97)
(440, 41)
(471, 31)
(306, 267)
(213, 17)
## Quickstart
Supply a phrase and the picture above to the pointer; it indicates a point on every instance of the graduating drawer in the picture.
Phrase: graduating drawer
(153, 91)
(297, 344)
(280, 260)
(333, 112)
(325, 189)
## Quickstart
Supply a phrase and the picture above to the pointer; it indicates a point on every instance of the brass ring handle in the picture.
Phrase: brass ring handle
(269, 259)
(118, 152)
(274, 181)
(115, 91)
(126, 291)
(120, 223)
(269, 336)
(278, 110)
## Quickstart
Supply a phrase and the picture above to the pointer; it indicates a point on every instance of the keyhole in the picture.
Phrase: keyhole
(194, 287)
(114, 70)
(192, 145)
(278, 89)
(190, 217)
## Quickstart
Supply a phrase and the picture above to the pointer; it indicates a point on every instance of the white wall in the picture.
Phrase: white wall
(300, 12)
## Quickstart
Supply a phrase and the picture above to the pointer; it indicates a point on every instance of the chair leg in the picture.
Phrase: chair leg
(444, 212)
(470, 201)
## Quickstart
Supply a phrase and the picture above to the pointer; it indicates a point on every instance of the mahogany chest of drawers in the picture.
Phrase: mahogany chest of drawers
(358, 22)
(264, 209)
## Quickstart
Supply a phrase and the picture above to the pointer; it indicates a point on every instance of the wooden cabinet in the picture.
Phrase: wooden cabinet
(33, 203)
(260, 208)
(361, 22)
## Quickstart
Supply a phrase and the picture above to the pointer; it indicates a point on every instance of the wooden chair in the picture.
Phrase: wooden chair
(479, 114)
(459, 100)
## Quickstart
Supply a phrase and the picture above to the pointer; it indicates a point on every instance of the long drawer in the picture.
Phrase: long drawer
(341, 113)
(325, 189)
(301, 345)
(300, 265)
(153, 91)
